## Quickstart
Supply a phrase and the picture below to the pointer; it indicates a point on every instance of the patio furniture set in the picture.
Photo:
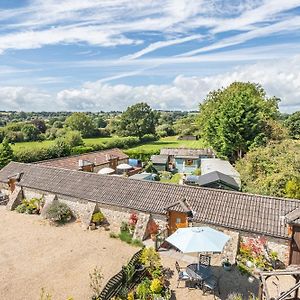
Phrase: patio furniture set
(198, 275)
(198, 240)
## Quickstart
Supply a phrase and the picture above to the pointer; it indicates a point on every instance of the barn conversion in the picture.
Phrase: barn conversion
(249, 215)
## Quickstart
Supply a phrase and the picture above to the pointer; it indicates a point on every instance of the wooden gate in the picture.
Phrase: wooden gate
(295, 246)
(177, 220)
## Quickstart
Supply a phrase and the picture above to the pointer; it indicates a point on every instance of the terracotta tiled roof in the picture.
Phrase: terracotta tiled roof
(235, 210)
(71, 162)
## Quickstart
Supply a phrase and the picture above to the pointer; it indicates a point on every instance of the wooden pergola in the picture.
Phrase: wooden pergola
(291, 293)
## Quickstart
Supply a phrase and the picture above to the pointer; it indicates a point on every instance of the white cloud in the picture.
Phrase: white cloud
(161, 44)
(281, 79)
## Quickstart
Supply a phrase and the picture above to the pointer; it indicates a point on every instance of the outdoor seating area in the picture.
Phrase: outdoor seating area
(199, 276)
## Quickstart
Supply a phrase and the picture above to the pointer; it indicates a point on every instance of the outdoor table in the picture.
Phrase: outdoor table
(198, 273)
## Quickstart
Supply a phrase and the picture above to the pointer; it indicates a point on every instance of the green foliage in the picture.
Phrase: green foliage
(272, 170)
(83, 123)
(61, 147)
(59, 212)
(98, 217)
(231, 119)
(125, 236)
(40, 125)
(30, 206)
(292, 188)
(143, 289)
(96, 280)
(293, 125)
(150, 258)
(156, 286)
(187, 125)
(197, 172)
(30, 132)
(6, 153)
(73, 138)
(137, 120)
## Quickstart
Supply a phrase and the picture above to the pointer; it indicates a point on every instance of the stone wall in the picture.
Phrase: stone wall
(278, 245)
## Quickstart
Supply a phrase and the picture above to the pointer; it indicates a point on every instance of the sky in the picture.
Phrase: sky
(96, 55)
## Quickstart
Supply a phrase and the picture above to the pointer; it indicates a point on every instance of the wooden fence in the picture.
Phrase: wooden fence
(115, 285)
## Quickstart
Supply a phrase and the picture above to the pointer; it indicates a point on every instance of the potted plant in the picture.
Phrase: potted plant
(227, 265)
(97, 217)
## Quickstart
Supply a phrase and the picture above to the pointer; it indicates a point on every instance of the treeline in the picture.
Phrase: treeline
(137, 120)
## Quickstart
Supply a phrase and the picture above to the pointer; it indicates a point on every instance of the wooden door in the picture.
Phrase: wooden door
(177, 220)
(295, 246)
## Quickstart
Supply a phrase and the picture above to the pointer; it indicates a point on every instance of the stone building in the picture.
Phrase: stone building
(170, 206)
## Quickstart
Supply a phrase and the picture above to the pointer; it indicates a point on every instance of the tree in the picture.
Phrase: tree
(272, 170)
(73, 138)
(234, 118)
(81, 122)
(40, 125)
(293, 125)
(137, 120)
(30, 132)
(186, 125)
(6, 153)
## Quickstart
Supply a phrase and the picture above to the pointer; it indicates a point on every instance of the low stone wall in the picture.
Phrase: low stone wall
(278, 245)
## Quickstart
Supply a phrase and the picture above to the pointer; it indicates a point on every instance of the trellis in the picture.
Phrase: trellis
(292, 293)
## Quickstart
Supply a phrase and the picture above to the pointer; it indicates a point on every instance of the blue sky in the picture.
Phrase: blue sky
(105, 55)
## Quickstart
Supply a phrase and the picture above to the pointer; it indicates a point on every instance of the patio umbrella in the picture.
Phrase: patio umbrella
(124, 167)
(106, 171)
(198, 239)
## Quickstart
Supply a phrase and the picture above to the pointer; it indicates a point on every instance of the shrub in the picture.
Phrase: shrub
(149, 138)
(156, 286)
(98, 217)
(125, 236)
(143, 289)
(59, 212)
(150, 258)
(32, 206)
(81, 149)
(137, 243)
(124, 226)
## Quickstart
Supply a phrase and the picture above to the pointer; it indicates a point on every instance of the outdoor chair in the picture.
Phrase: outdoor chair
(204, 260)
(211, 285)
(182, 274)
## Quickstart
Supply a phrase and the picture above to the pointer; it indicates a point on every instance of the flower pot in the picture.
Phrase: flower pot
(227, 267)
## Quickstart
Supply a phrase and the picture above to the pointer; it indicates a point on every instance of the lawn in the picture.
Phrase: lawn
(167, 142)
(170, 142)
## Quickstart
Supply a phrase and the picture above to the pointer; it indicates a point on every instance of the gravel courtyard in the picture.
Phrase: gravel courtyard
(35, 255)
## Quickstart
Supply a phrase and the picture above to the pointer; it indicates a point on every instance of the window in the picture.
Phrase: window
(189, 162)
(178, 220)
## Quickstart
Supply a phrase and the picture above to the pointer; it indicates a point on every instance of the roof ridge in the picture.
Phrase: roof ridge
(75, 155)
(218, 191)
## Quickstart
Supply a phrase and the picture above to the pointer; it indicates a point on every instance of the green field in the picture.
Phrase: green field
(168, 142)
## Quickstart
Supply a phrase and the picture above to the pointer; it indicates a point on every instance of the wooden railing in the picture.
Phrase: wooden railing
(160, 238)
(120, 281)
